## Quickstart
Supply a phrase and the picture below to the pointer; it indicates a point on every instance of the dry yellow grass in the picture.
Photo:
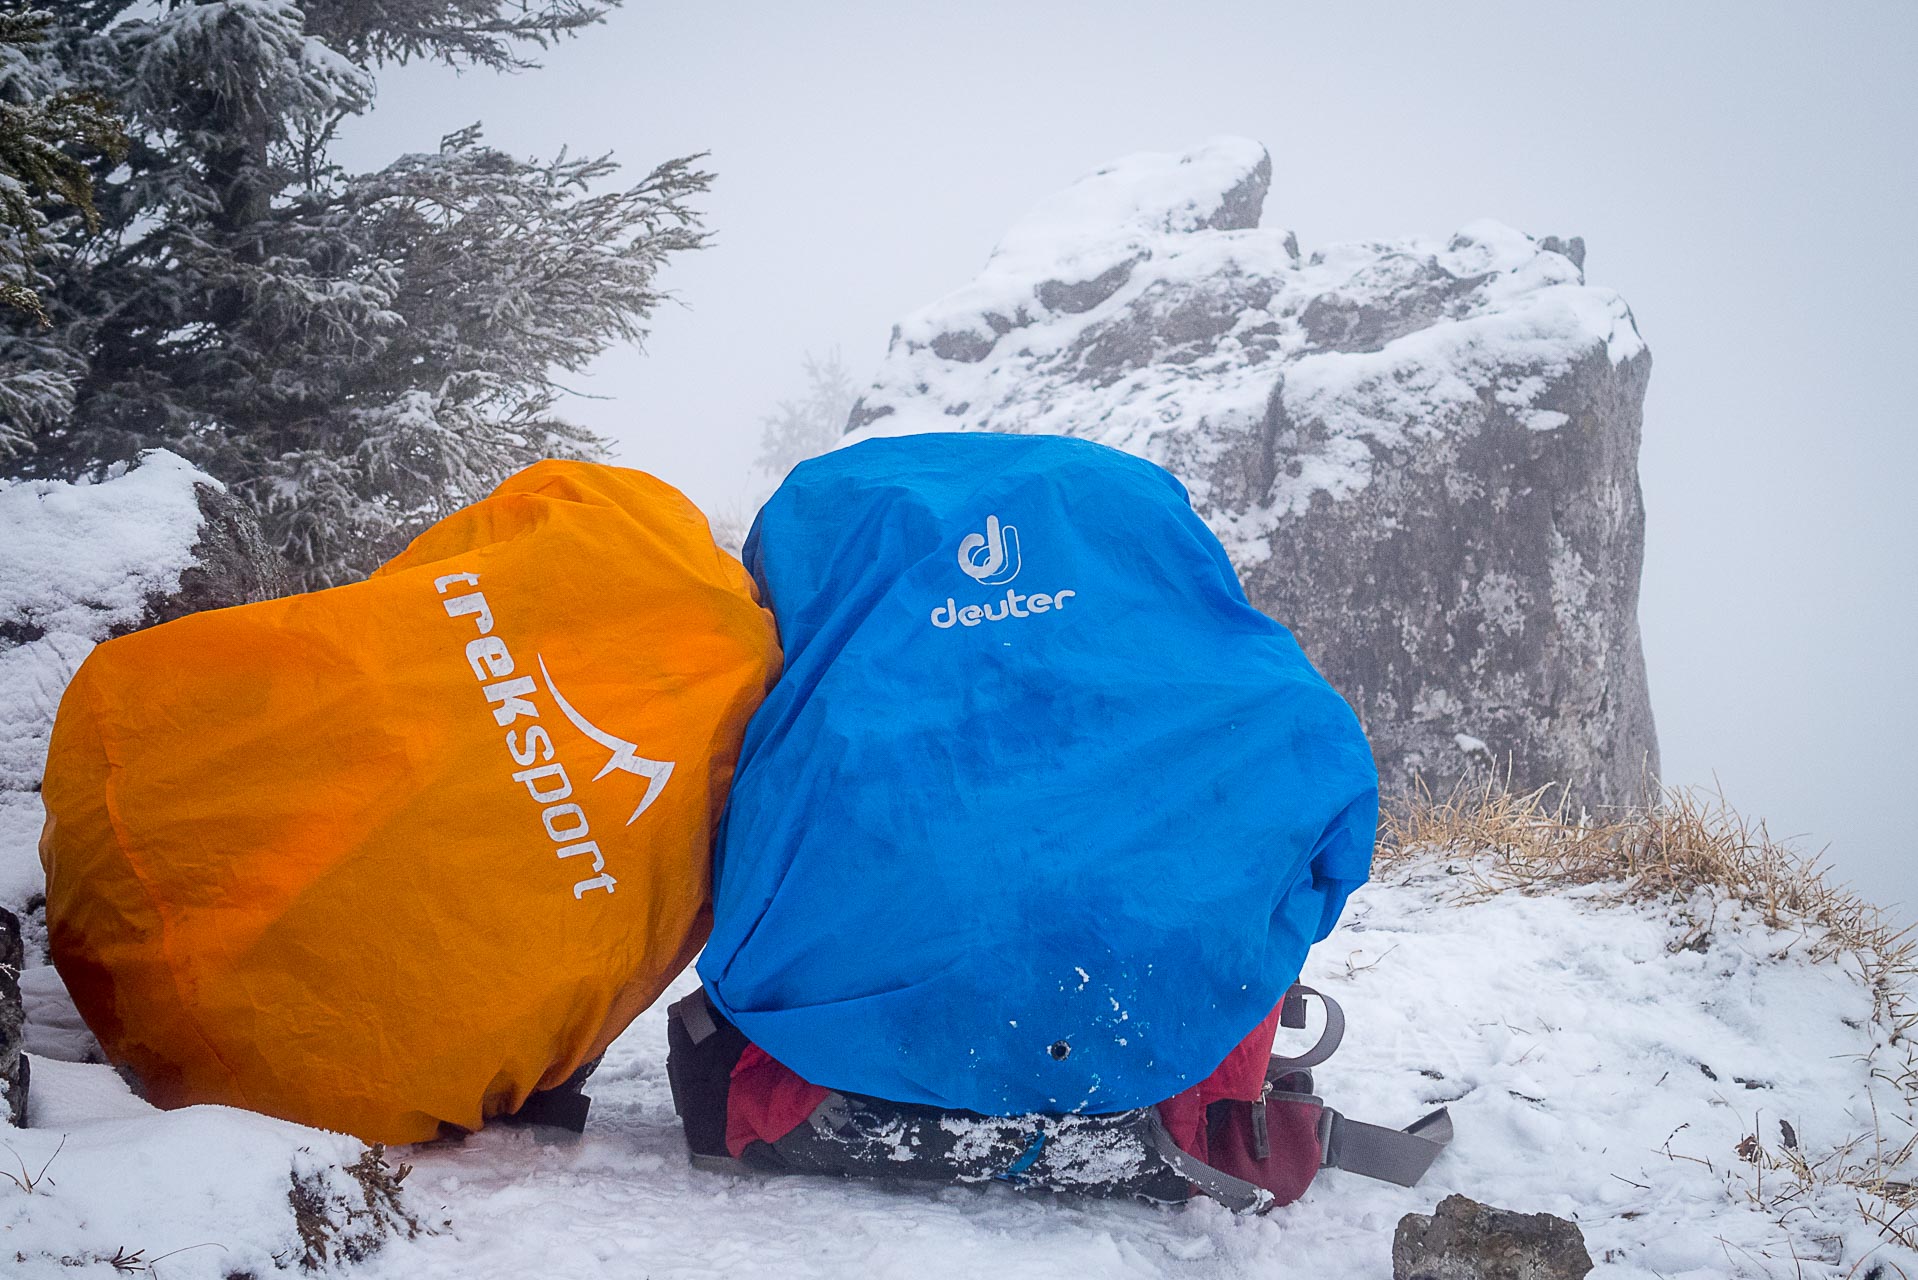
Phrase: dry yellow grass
(1694, 852)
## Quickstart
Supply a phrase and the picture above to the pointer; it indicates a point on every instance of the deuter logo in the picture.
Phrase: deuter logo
(991, 557)
(992, 560)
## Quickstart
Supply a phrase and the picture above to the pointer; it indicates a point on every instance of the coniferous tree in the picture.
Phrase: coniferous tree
(46, 137)
(355, 353)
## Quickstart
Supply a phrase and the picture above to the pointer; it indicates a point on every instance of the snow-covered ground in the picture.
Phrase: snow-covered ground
(1596, 1065)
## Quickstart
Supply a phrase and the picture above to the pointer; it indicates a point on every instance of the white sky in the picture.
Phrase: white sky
(1745, 174)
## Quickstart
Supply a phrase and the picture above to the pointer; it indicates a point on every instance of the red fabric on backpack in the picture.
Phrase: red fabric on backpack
(1292, 1128)
(1240, 1076)
(766, 1100)
(1292, 1132)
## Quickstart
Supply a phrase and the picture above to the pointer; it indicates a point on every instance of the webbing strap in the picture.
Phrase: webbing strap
(832, 1114)
(1235, 1194)
(694, 1014)
(1398, 1156)
(1329, 1038)
(556, 1108)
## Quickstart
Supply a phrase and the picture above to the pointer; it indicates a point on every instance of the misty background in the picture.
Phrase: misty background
(1744, 174)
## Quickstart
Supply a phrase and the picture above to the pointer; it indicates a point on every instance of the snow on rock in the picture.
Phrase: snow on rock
(81, 563)
(77, 563)
(103, 1184)
(1422, 455)
(15, 1069)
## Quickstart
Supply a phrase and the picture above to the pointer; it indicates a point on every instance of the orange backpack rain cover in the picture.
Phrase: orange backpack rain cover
(397, 854)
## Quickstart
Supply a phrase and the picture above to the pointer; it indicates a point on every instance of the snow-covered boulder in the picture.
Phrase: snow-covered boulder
(1422, 455)
(15, 1071)
(102, 1184)
(82, 563)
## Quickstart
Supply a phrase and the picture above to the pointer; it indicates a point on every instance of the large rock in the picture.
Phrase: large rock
(82, 563)
(1466, 1240)
(1421, 455)
(232, 564)
(14, 1076)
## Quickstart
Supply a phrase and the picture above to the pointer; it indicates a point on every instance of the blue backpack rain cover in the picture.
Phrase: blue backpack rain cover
(1042, 815)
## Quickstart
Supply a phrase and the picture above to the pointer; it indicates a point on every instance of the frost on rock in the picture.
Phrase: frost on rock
(1421, 455)
(16, 1072)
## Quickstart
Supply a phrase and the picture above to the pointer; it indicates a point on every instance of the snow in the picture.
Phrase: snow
(100, 1174)
(54, 1027)
(1596, 1067)
(76, 561)
(1107, 219)
(258, 44)
(1185, 353)
(197, 1192)
(1147, 194)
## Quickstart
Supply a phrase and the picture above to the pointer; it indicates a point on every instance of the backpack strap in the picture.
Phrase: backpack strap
(1236, 1194)
(695, 1014)
(1292, 1013)
(564, 1106)
(1398, 1156)
(701, 1051)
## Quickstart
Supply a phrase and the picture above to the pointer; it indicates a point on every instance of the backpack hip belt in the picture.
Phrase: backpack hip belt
(1126, 1154)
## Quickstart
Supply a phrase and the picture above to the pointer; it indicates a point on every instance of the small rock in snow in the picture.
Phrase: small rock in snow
(1466, 1240)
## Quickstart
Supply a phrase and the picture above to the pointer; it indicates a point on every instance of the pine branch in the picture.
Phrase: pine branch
(481, 33)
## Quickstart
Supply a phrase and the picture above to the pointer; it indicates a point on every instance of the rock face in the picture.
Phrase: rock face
(82, 563)
(1421, 455)
(1466, 1240)
(13, 1022)
(232, 564)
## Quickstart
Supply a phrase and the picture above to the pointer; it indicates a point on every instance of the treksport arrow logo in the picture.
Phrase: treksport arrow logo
(625, 756)
(992, 557)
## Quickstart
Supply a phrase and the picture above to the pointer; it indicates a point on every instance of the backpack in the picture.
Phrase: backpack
(1030, 839)
(1252, 1136)
(401, 857)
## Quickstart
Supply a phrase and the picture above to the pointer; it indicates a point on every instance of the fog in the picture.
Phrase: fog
(1744, 174)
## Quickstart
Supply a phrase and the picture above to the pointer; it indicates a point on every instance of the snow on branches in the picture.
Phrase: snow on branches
(356, 354)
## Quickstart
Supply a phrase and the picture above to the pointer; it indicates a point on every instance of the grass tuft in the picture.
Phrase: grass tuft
(333, 1228)
(1692, 851)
